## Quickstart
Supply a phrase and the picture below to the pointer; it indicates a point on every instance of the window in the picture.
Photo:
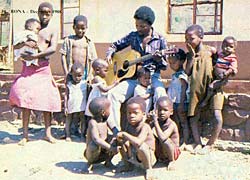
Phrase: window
(70, 9)
(183, 13)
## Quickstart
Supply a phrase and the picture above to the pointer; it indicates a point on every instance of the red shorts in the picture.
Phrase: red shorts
(177, 153)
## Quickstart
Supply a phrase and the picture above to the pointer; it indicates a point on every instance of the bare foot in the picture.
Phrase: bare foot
(50, 139)
(171, 166)
(182, 147)
(68, 139)
(89, 169)
(207, 149)
(23, 141)
(149, 175)
(190, 148)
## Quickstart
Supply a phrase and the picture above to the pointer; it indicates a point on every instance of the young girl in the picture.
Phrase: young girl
(144, 89)
(35, 88)
(75, 99)
(99, 86)
(178, 92)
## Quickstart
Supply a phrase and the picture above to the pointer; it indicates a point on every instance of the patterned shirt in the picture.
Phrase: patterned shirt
(133, 39)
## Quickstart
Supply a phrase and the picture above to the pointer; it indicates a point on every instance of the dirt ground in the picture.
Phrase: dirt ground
(39, 160)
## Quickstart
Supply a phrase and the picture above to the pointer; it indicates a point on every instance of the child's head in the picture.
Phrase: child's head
(144, 78)
(77, 71)
(80, 25)
(32, 25)
(164, 108)
(194, 35)
(100, 108)
(45, 12)
(136, 108)
(229, 45)
(100, 67)
(177, 60)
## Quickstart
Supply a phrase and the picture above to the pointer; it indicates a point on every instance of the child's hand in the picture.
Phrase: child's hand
(221, 75)
(116, 82)
(190, 49)
(109, 59)
(119, 136)
(66, 111)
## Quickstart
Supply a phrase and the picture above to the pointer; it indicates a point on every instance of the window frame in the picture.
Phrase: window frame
(62, 16)
(194, 15)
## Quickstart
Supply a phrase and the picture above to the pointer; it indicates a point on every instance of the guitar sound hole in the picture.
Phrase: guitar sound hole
(125, 64)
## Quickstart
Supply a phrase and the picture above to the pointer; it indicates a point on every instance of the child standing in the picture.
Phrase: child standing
(199, 67)
(99, 85)
(178, 92)
(167, 141)
(138, 139)
(35, 88)
(32, 27)
(144, 89)
(99, 146)
(78, 48)
(75, 99)
(226, 66)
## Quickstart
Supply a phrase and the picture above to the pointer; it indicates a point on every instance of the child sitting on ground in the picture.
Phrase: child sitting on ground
(144, 89)
(226, 66)
(138, 139)
(99, 85)
(178, 92)
(75, 100)
(167, 141)
(99, 146)
(29, 35)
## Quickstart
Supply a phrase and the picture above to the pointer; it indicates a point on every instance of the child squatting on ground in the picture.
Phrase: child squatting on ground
(99, 145)
(138, 142)
(75, 100)
(178, 92)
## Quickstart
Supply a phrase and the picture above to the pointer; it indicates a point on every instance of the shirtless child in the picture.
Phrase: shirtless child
(78, 48)
(167, 141)
(99, 146)
(138, 140)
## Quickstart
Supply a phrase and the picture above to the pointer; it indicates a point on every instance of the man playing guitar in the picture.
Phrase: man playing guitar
(145, 41)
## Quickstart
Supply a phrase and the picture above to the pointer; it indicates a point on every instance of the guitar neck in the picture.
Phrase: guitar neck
(140, 59)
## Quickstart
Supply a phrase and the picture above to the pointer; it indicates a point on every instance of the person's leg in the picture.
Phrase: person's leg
(195, 131)
(92, 153)
(67, 126)
(117, 96)
(168, 148)
(47, 121)
(218, 127)
(182, 116)
(83, 122)
(158, 86)
(26, 118)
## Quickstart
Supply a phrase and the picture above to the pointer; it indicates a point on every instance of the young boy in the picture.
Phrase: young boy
(138, 139)
(78, 48)
(178, 92)
(144, 89)
(167, 141)
(99, 146)
(226, 66)
(75, 100)
(199, 67)
(32, 27)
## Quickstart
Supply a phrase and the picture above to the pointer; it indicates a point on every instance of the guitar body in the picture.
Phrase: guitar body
(118, 60)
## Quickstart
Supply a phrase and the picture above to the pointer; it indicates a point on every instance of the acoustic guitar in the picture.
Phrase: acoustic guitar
(125, 63)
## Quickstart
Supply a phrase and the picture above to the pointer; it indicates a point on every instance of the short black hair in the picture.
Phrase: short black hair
(181, 55)
(77, 65)
(230, 38)
(80, 18)
(142, 71)
(145, 13)
(165, 98)
(138, 100)
(28, 22)
(198, 30)
(45, 4)
(97, 105)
